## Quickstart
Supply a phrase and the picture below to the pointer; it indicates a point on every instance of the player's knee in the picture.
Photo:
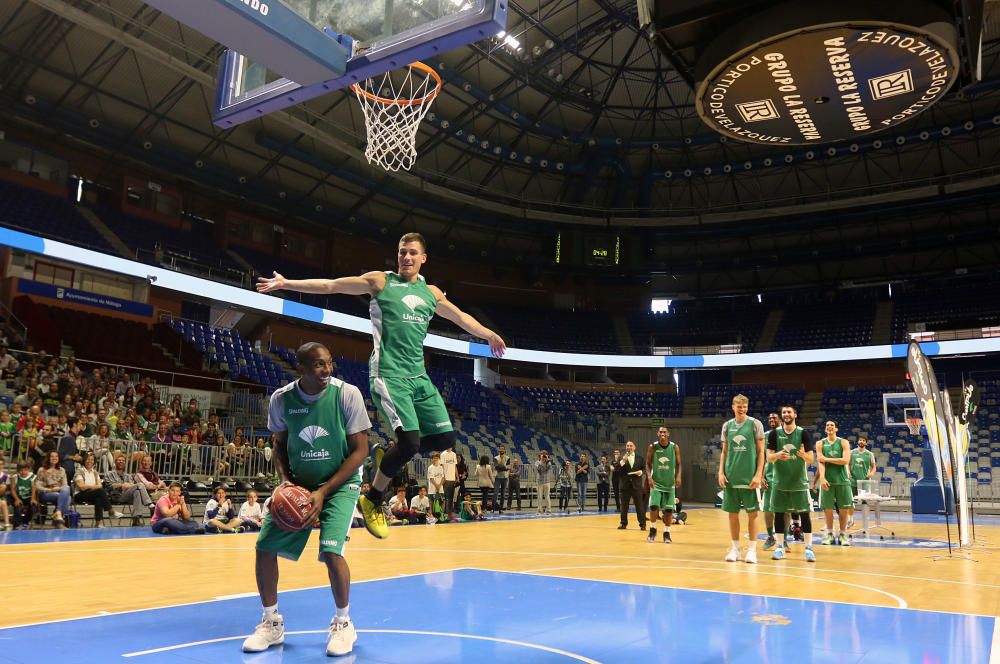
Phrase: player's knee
(438, 442)
(407, 443)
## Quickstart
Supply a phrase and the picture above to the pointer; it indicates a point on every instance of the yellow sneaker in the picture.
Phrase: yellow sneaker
(375, 521)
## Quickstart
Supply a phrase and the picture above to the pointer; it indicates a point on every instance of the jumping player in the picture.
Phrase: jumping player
(321, 439)
(834, 455)
(402, 305)
(790, 451)
(663, 459)
(740, 470)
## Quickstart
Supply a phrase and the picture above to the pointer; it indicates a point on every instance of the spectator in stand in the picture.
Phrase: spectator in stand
(52, 399)
(261, 464)
(4, 490)
(485, 475)
(604, 471)
(401, 511)
(172, 516)
(149, 479)
(47, 442)
(251, 516)
(238, 454)
(502, 465)
(435, 478)
(32, 419)
(53, 487)
(422, 504)
(7, 431)
(8, 363)
(582, 474)
(514, 481)
(461, 472)
(25, 495)
(191, 415)
(125, 491)
(471, 510)
(123, 385)
(29, 397)
(449, 461)
(565, 485)
(543, 483)
(69, 451)
(220, 515)
(90, 489)
(100, 444)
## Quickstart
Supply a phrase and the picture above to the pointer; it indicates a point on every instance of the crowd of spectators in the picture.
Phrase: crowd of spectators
(99, 435)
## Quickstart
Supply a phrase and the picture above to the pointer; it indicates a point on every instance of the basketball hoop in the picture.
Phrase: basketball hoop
(914, 424)
(393, 105)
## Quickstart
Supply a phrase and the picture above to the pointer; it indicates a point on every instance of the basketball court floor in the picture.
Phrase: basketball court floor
(516, 589)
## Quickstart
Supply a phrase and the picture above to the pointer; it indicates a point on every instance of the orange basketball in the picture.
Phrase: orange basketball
(289, 506)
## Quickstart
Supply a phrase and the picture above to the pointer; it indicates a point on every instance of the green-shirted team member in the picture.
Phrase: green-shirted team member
(862, 468)
(741, 468)
(663, 461)
(402, 305)
(773, 421)
(320, 428)
(790, 450)
(834, 456)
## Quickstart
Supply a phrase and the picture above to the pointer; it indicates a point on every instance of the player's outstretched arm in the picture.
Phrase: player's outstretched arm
(449, 311)
(369, 283)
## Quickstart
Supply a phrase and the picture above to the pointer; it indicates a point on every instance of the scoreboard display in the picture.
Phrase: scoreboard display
(600, 249)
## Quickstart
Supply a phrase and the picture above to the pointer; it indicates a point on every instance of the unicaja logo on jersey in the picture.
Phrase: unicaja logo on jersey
(311, 433)
(414, 302)
(738, 441)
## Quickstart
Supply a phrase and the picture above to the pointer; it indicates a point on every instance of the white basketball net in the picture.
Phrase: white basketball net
(393, 105)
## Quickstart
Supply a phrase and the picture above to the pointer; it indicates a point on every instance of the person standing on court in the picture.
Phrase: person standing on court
(741, 468)
(514, 481)
(320, 426)
(582, 474)
(790, 450)
(663, 459)
(543, 482)
(631, 469)
(604, 471)
(401, 308)
(862, 468)
(450, 463)
(773, 422)
(616, 478)
(834, 456)
(501, 464)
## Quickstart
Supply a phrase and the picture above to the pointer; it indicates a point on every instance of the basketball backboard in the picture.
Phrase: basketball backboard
(374, 36)
(897, 406)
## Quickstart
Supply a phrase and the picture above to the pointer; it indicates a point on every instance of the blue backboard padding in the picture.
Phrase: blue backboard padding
(266, 32)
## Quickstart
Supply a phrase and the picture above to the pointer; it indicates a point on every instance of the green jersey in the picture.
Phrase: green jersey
(741, 450)
(835, 473)
(22, 486)
(664, 468)
(790, 475)
(318, 427)
(6, 435)
(861, 464)
(401, 313)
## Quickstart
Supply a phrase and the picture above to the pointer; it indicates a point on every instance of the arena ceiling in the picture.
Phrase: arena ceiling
(587, 123)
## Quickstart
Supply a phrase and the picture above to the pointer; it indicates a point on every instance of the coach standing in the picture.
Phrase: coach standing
(631, 468)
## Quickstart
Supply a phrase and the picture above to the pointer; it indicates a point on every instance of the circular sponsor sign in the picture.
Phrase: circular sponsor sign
(827, 83)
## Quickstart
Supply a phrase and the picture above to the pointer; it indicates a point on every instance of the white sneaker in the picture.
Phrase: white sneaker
(342, 637)
(117, 515)
(751, 557)
(733, 555)
(270, 632)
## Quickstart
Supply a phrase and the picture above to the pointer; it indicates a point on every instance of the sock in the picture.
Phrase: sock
(808, 537)
(375, 495)
(736, 544)
(342, 612)
(270, 611)
(784, 540)
(753, 545)
(666, 529)
(770, 531)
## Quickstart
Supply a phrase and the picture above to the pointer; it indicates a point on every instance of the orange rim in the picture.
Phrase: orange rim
(356, 87)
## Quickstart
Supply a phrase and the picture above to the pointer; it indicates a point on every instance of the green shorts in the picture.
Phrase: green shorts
(662, 500)
(334, 526)
(768, 500)
(412, 404)
(795, 502)
(733, 500)
(837, 497)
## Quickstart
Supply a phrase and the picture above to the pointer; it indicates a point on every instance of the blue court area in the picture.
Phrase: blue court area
(474, 615)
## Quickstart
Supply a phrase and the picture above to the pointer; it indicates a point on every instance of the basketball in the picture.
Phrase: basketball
(289, 507)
